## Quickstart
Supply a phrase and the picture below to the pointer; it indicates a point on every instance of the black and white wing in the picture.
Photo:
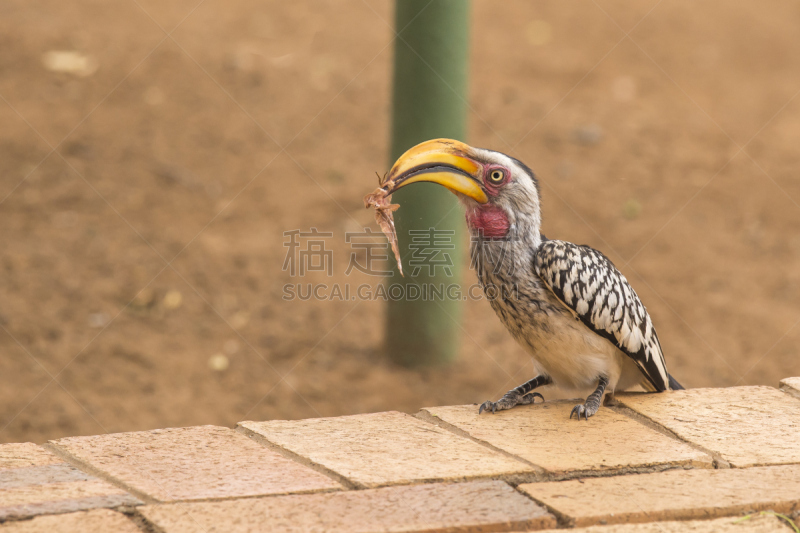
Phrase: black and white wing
(591, 286)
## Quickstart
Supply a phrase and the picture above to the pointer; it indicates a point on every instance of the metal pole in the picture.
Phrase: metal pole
(429, 95)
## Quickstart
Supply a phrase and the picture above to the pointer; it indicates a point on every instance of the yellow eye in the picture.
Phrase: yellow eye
(496, 176)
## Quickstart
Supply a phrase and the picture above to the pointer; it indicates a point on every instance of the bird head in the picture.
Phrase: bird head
(500, 194)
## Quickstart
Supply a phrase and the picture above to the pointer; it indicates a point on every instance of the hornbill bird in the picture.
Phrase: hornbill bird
(567, 305)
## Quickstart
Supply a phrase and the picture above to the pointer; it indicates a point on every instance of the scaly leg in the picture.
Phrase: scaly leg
(592, 402)
(521, 395)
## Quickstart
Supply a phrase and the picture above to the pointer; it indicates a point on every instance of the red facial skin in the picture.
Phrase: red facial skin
(488, 219)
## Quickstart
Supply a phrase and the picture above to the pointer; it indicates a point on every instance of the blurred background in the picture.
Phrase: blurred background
(152, 155)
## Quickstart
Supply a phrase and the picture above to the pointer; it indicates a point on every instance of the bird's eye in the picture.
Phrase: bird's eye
(496, 176)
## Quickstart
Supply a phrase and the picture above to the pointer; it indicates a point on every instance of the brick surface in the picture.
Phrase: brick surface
(25, 454)
(746, 426)
(194, 463)
(791, 386)
(671, 495)
(751, 524)
(33, 481)
(386, 448)
(97, 521)
(544, 435)
(472, 506)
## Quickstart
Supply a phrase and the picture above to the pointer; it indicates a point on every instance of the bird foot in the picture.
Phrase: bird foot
(584, 410)
(509, 400)
(592, 402)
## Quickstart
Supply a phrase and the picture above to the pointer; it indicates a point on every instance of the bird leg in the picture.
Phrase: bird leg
(592, 402)
(521, 395)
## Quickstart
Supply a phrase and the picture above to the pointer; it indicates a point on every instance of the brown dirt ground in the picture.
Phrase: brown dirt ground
(673, 150)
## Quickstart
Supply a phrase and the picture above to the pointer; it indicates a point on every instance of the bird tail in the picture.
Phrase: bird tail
(673, 383)
(648, 386)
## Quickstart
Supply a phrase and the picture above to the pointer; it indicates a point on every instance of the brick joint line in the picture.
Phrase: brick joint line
(543, 475)
(297, 458)
(564, 521)
(718, 461)
(140, 521)
(82, 465)
(540, 473)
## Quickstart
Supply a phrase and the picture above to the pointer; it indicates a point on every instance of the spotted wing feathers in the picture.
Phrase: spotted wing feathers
(599, 295)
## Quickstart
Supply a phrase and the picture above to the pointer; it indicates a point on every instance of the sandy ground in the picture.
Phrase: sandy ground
(151, 242)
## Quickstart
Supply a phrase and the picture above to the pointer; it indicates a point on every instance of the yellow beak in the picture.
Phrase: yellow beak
(442, 161)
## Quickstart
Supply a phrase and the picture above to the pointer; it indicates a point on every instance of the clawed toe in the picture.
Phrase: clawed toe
(508, 401)
(584, 410)
(499, 405)
(487, 406)
(531, 398)
(580, 410)
(592, 402)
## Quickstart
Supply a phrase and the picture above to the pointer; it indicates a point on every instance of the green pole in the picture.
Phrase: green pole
(428, 101)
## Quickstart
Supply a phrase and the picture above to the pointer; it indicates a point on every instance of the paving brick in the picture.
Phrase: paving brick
(472, 506)
(34, 481)
(387, 448)
(751, 524)
(194, 463)
(671, 495)
(97, 521)
(791, 386)
(544, 435)
(746, 426)
(25, 454)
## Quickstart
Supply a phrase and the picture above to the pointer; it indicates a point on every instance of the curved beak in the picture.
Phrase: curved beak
(442, 161)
